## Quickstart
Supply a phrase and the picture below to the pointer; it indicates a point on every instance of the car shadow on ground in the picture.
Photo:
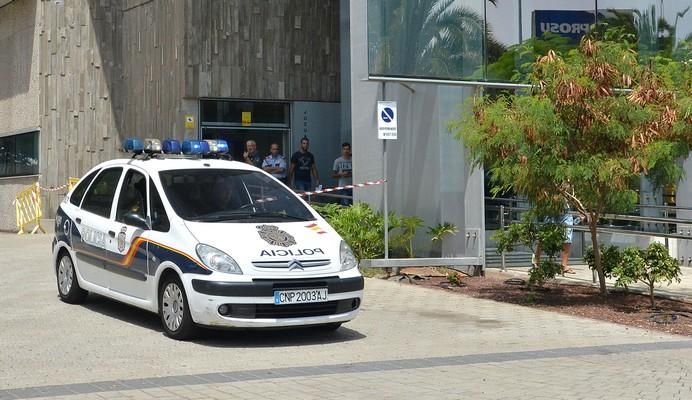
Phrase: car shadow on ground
(223, 337)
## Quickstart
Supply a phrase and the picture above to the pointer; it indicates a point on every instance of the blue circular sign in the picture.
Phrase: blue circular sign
(387, 115)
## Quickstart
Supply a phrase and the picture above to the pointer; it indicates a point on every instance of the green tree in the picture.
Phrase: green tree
(650, 266)
(577, 138)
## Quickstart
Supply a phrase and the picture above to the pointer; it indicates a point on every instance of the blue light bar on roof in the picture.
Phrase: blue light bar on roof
(171, 146)
(217, 146)
(222, 147)
(205, 146)
(192, 147)
(133, 144)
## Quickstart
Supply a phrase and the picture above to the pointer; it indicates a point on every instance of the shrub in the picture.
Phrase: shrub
(359, 225)
(407, 227)
(528, 232)
(610, 258)
(439, 231)
(650, 266)
(363, 229)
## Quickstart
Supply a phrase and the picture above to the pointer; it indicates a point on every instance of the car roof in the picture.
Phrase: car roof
(156, 164)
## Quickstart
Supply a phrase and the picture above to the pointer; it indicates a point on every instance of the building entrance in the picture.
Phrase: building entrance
(239, 121)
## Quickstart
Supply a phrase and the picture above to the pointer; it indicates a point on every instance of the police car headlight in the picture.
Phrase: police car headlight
(217, 260)
(348, 260)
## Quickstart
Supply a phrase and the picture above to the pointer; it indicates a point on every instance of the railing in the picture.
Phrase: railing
(507, 212)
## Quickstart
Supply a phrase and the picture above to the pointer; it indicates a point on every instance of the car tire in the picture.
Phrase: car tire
(66, 278)
(174, 310)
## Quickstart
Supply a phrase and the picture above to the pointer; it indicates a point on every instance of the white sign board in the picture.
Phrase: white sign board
(386, 120)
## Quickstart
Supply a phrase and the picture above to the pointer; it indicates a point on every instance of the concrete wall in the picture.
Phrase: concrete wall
(111, 69)
(428, 171)
(19, 83)
(259, 49)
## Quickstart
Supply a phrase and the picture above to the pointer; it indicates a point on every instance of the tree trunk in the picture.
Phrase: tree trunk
(597, 254)
(651, 294)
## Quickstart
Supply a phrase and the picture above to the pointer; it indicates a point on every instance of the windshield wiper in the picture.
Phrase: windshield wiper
(236, 215)
(279, 215)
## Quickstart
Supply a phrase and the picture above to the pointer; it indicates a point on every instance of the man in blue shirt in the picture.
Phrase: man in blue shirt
(275, 163)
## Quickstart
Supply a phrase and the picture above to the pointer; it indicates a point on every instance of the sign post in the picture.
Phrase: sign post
(386, 130)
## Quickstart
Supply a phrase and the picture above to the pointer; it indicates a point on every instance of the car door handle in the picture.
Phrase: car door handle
(111, 234)
(79, 220)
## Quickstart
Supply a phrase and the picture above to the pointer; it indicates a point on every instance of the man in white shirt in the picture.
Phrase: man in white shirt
(275, 163)
(342, 171)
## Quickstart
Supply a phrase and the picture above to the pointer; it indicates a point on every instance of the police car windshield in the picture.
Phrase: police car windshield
(218, 195)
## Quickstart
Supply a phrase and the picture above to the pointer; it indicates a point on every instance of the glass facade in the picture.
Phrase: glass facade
(19, 154)
(495, 40)
(480, 41)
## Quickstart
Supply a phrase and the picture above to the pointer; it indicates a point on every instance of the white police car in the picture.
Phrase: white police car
(202, 241)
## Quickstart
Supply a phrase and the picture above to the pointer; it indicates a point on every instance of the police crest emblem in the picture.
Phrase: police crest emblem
(121, 239)
(275, 236)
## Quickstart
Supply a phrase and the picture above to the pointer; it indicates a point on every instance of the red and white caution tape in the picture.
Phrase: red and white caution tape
(53, 189)
(334, 189)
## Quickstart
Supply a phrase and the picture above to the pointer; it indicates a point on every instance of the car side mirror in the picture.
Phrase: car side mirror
(137, 220)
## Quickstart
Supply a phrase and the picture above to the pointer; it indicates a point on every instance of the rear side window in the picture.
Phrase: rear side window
(99, 198)
(78, 192)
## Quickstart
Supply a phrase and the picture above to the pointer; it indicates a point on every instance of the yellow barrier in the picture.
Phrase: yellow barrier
(71, 182)
(27, 204)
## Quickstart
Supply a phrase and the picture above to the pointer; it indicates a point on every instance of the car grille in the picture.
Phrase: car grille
(286, 264)
(254, 311)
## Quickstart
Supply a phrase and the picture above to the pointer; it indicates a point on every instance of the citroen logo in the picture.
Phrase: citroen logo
(295, 265)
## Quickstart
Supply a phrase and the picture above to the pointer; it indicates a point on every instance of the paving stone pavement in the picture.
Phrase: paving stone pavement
(408, 342)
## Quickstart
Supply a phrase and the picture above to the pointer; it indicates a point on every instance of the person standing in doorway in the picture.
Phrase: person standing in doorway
(251, 156)
(342, 171)
(303, 167)
(275, 163)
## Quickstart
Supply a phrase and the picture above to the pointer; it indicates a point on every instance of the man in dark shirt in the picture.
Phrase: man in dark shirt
(251, 156)
(303, 167)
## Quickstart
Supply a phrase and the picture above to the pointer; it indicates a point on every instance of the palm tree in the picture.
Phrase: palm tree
(427, 37)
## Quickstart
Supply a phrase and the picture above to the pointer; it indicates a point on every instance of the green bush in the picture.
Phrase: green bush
(439, 231)
(363, 229)
(405, 228)
(650, 266)
(529, 233)
(359, 225)
(610, 259)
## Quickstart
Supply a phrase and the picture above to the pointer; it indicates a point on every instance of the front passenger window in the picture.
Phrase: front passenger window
(133, 196)
(99, 198)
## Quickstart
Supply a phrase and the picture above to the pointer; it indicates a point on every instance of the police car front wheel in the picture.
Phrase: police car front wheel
(68, 287)
(174, 310)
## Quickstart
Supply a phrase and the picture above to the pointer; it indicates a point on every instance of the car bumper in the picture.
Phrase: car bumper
(251, 304)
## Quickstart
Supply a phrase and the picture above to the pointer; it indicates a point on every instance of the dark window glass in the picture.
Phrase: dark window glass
(19, 154)
(218, 195)
(99, 198)
(432, 39)
(78, 192)
(133, 196)
(231, 113)
(159, 218)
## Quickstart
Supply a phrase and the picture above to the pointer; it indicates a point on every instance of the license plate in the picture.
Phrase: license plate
(282, 297)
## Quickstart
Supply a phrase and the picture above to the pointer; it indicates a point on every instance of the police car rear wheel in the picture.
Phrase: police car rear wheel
(174, 311)
(68, 287)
